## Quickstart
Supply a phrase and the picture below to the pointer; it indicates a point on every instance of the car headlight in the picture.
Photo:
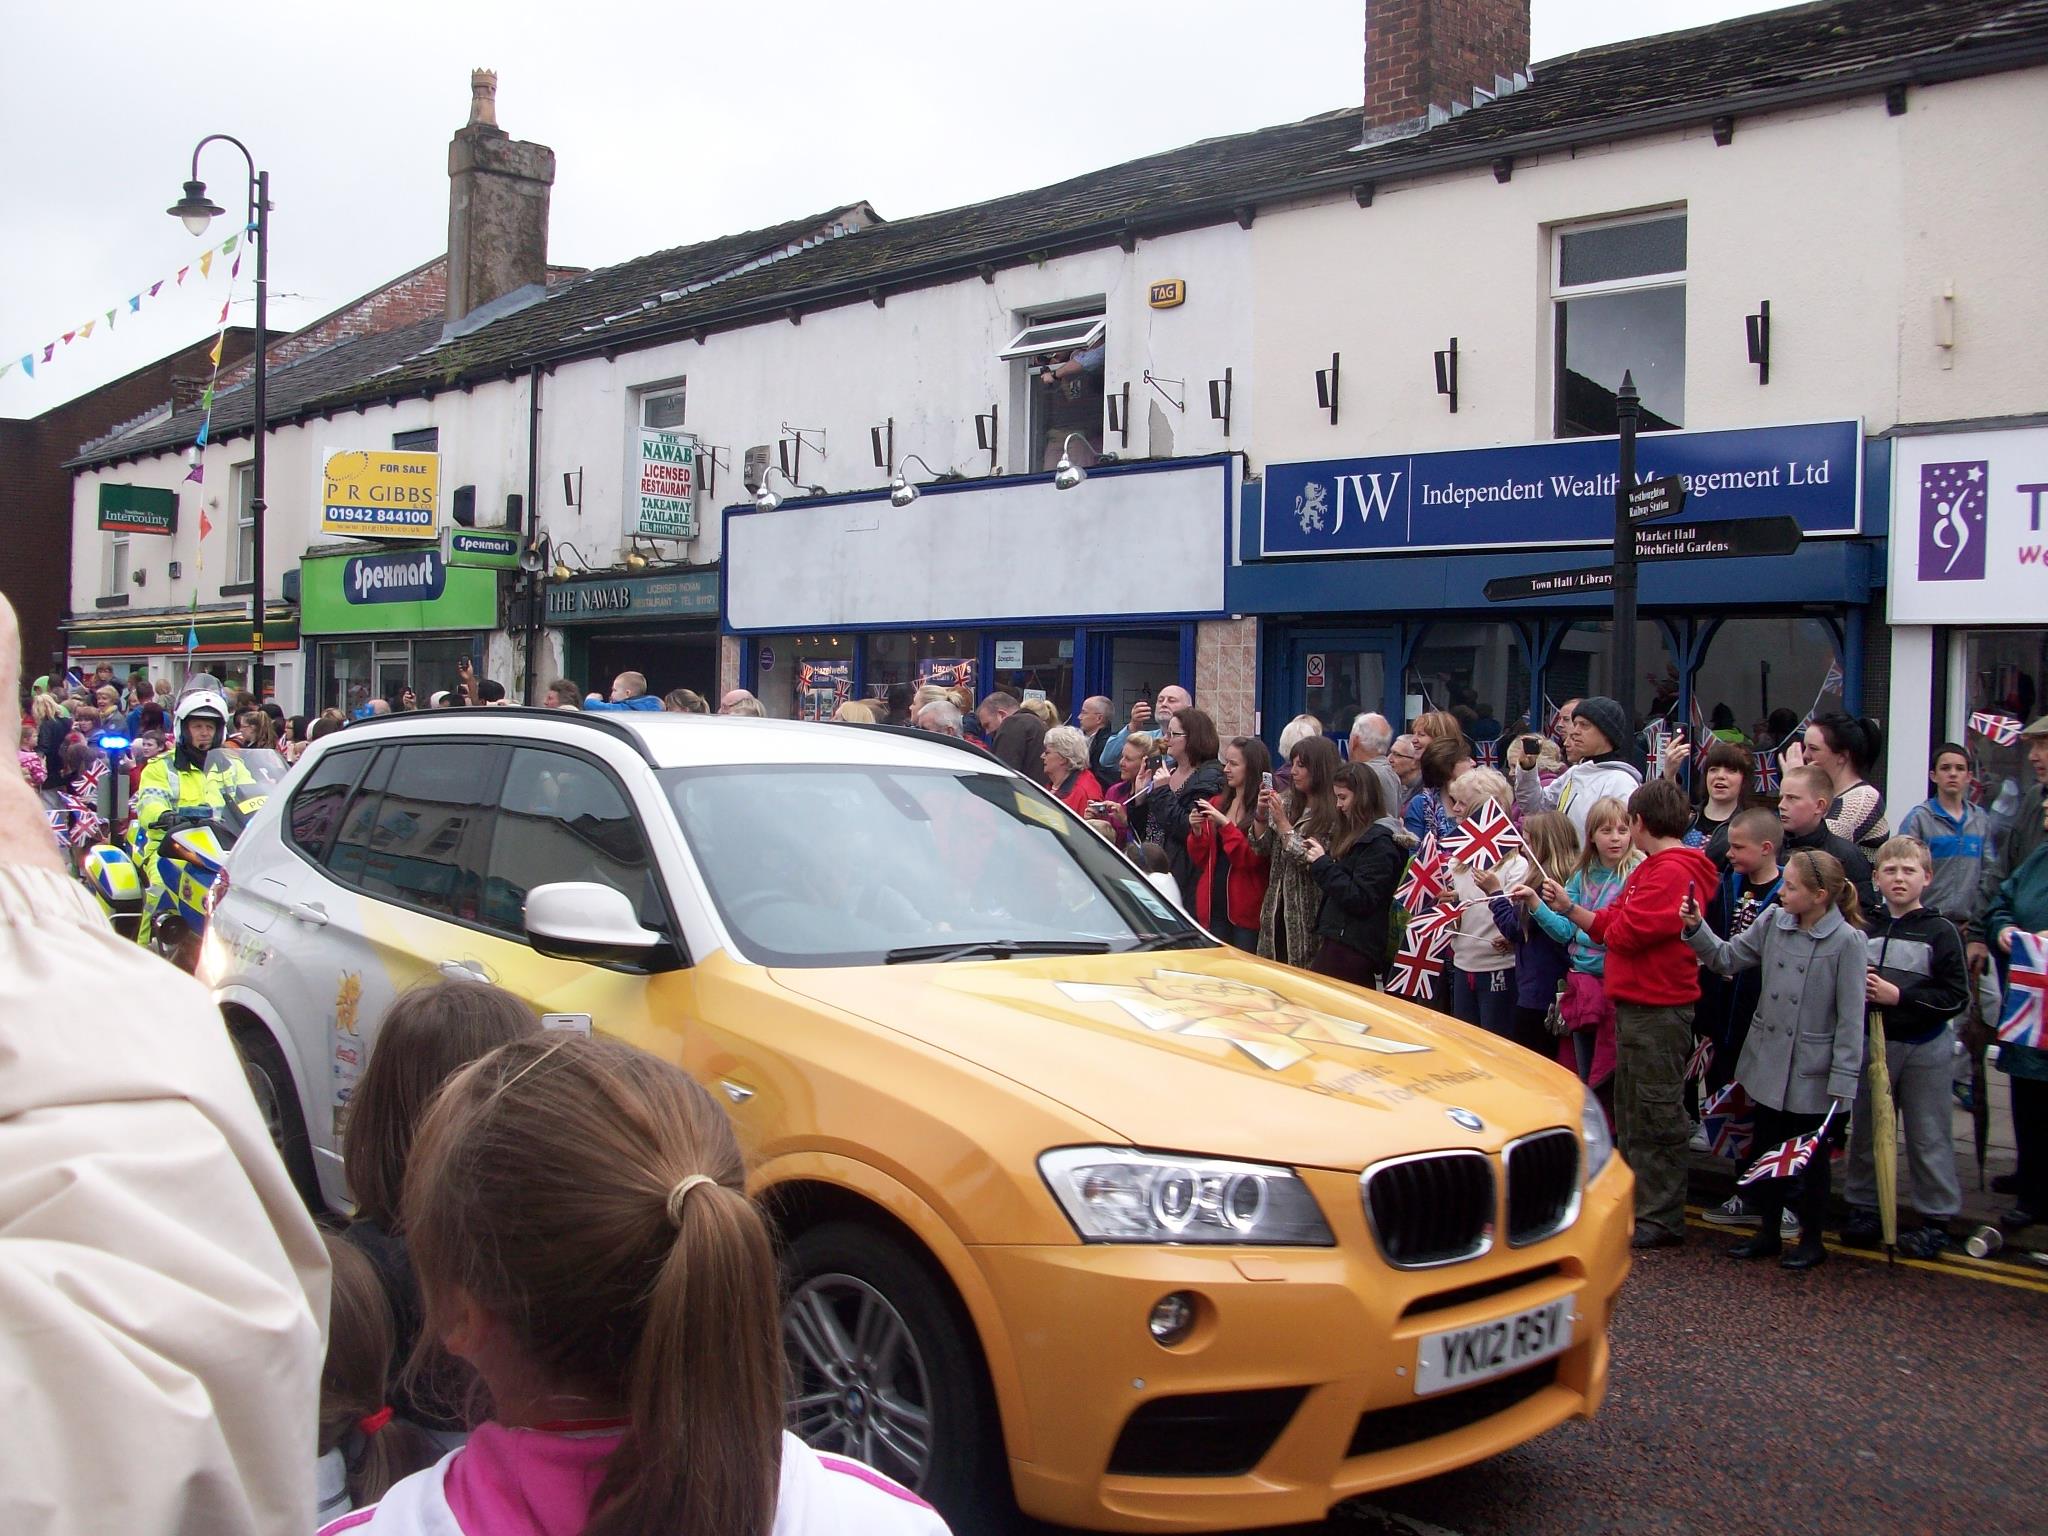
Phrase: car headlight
(1120, 1195)
(1593, 1127)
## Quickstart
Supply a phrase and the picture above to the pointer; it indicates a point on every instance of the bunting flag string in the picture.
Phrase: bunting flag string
(28, 361)
(196, 454)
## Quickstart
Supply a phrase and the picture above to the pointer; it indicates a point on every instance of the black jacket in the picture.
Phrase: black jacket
(1358, 893)
(1922, 955)
(1169, 811)
(1855, 862)
(1020, 742)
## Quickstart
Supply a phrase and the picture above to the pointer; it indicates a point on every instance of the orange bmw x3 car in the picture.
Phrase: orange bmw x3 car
(1081, 1207)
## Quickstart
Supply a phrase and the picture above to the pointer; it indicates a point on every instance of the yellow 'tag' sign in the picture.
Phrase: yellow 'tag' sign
(1169, 294)
(374, 493)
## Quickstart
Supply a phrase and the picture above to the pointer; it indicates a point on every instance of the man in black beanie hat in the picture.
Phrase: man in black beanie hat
(1593, 745)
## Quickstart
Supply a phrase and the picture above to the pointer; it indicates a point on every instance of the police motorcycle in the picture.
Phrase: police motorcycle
(192, 803)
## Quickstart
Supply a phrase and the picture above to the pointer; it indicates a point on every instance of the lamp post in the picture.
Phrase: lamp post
(197, 211)
(1628, 409)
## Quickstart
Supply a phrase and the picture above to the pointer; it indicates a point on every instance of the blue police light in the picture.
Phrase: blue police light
(115, 743)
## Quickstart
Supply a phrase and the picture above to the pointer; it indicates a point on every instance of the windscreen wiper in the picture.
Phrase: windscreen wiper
(1189, 940)
(996, 949)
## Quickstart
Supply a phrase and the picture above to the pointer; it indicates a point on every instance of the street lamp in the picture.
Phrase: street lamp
(196, 211)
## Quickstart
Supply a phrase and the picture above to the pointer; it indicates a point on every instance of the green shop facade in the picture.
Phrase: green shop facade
(379, 619)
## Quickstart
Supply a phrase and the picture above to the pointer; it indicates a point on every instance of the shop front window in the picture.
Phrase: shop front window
(343, 681)
(1037, 667)
(1139, 665)
(1479, 672)
(2005, 672)
(812, 676)
(1762, 676)
(1582, 666)
(944, 658)
(350, 673)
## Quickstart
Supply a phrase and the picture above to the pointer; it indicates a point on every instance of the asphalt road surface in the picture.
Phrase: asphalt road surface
(1858, 1398)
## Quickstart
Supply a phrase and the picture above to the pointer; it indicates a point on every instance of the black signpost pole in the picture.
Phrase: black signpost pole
(1627, 411)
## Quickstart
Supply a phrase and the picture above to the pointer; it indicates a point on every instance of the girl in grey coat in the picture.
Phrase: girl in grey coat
(1804, 1054)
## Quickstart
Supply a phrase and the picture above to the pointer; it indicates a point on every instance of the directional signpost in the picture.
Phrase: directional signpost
(1658, 500)
(1734, 538)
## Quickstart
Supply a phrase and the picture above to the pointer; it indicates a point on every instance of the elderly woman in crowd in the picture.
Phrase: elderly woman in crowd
(1124, 800)
(1066, 769)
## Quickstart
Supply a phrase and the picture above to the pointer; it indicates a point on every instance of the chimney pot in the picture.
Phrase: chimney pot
(483, 96)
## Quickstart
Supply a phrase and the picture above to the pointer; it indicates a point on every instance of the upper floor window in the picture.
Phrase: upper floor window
(245, 522)
(1618, 294)
(114, 566)
(423, 440)
(662, 410)
(1063, 356)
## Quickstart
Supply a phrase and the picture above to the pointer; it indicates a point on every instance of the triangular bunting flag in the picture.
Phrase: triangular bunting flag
(224, 312)
(85, 330)
(5, 368)
(227, 246)
(28, 364)
(153, 289)
(181, 275)
(205, 522)
(235, 270)
(206, 399)
(110, 319)
(197, 475)
(215, 353)
(206, 263)
(205, 427)
(67, 337)
(135, 300)
(50, 351)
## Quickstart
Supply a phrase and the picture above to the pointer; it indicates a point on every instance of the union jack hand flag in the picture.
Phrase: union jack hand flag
(59, 820)
(1484, 838)
(1730, 1100)
(1424, 881)
(1729, 1136)
(1785, 1161)
(1434, 926)
(1553, 722)
(1658, 741)
(1702, 733)
(2002, 729)
(1414, 971)
(1487, 753)
(1767, 781)
(2025, 1020)
(1702, 1057)
(86, 823)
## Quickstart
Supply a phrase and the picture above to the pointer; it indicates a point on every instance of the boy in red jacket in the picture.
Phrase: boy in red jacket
(1653, 980)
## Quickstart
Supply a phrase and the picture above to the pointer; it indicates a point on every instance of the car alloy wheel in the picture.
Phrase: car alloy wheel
(860, 1383)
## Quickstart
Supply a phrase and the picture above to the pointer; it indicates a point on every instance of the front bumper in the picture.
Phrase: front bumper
(1336, 1327)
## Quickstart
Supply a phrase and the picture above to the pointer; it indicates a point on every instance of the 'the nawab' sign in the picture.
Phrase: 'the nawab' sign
(138, 509)
(1558, 493)
(376, 493)
(668, 486)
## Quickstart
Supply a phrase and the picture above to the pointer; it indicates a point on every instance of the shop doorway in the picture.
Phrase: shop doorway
(1337, 675)
(667, 661)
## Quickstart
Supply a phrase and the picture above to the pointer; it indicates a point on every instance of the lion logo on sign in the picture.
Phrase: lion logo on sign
(1310, 506)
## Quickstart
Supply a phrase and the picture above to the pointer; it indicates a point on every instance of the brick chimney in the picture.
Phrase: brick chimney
(1420, 53)
(497, 206)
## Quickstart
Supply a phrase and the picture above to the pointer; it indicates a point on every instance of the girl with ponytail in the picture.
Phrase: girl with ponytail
(582, 1234)
(1846, 749)
(363, 1448)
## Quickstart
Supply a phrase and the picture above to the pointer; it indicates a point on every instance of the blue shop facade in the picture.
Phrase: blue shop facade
(1369, 579)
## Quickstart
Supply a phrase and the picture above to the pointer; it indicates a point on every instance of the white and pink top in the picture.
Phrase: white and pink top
(539, 1482)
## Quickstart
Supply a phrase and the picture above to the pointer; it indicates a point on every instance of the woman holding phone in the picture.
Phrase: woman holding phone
(1230, 874)
(1189, 772)
(1122, 805)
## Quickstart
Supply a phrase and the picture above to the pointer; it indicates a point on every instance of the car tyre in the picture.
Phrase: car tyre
(277, 1101)
(873, 1342)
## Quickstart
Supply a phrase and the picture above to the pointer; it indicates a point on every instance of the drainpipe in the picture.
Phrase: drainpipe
(535, 580)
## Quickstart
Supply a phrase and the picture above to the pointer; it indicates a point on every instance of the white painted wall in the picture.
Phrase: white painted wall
(1840, 215)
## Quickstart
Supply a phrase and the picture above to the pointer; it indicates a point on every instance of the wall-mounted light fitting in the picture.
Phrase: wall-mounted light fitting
(1159, 388)
(767, 501)
(572, 488)
(1447, 373)
(140, 578)
(1326, 387)
(1758, 327)
(712, 457)
(1067, 474)
(883, 438)
(987, 436)
(901, 492)
(562, 550)
(1219, 401)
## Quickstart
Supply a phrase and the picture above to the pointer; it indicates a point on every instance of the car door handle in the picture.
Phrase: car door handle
(465, 970)
(310, 913)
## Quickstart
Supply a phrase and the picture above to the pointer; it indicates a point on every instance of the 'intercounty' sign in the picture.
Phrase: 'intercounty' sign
(1558, 493)
(138, 509)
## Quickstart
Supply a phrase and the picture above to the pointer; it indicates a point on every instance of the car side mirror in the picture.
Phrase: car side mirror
(583, 920)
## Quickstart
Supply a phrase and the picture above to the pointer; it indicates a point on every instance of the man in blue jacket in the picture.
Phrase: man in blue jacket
(629, 691)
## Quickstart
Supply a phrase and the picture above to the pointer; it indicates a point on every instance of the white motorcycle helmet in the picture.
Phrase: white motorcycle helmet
(203, 704)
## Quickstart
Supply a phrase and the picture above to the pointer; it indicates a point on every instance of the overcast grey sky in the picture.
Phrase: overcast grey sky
(671, 121)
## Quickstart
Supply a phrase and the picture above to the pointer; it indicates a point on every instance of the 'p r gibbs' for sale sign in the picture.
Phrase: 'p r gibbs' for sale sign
(375, 493)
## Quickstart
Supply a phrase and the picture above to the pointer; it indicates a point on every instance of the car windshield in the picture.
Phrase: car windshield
(853, 864)
(246, 775)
